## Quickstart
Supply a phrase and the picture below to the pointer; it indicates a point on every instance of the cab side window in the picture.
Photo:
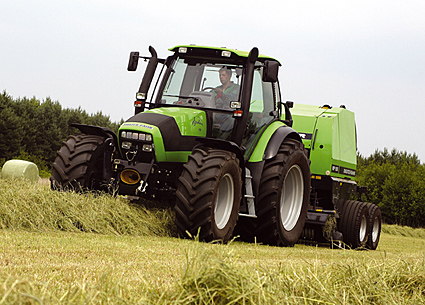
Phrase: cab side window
(262, 103)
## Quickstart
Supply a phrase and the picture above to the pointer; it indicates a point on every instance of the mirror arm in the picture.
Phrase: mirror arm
(288, 116)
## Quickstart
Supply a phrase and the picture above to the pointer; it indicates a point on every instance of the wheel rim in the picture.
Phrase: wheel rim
(291, 200)
(375, 230)
(224, 201)
(363, 228)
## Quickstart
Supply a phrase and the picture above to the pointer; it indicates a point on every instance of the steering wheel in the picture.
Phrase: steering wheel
(208, 88)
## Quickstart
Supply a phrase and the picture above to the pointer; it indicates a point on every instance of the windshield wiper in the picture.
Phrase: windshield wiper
(185, 97)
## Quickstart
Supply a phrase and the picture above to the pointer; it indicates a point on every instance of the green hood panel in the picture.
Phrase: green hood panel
(191, 122)
(174, 130)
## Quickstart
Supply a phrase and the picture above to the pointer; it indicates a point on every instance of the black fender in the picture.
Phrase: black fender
(96, 131)
(277, 139)
(225, 145)
(272, 148)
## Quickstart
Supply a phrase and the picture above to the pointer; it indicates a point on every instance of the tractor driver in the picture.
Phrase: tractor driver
(224, 94)
(228, 91)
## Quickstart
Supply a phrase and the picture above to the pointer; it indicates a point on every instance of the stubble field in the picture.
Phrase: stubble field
(64, 248)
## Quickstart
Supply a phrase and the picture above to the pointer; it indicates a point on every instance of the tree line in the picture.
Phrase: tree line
(396, 183)
(33, 130)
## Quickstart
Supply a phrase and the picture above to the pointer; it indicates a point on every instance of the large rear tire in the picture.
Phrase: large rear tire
(208, 195)
(284, 195)
(79, 164)
(354, 223)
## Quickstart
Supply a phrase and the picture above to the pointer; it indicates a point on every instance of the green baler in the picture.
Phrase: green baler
(329, 135)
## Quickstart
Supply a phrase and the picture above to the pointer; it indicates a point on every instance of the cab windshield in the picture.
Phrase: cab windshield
(204, 85)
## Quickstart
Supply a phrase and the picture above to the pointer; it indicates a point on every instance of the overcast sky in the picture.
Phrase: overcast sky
(367, 55)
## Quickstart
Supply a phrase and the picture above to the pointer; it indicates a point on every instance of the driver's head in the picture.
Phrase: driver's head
(225, 75)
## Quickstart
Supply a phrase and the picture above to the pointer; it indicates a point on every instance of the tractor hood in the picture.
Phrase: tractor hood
(176, 127)
(189, 121)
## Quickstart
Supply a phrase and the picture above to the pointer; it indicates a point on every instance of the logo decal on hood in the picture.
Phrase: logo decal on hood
(197, 122)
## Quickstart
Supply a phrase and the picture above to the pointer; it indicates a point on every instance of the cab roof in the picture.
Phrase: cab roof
(234, 52)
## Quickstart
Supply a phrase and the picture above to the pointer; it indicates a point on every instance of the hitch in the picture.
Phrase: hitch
(144, 183)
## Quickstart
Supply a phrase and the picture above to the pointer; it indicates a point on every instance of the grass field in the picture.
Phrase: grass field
(64, 248)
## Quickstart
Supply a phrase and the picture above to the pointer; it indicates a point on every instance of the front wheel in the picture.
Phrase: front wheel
(284, 195)
(79, 164)
(209, 195)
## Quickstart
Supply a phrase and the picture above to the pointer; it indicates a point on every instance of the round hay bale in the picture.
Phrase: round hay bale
(20, 169)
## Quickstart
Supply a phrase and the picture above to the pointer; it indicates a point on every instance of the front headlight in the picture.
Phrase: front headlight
(136, 136)
(147, 147)
(126, 145)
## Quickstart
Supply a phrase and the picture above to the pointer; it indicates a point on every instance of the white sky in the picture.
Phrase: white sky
(367, 55)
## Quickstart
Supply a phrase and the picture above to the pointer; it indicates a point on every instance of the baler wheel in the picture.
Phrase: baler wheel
(209, 195)
(375, 220)
(354, 223)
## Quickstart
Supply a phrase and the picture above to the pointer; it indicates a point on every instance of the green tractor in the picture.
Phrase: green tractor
(215, 142)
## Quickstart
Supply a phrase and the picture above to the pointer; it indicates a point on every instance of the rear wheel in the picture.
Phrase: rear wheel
(79, 164)
(354, 223)
(284, 195)
(375, 220)
(209, 195)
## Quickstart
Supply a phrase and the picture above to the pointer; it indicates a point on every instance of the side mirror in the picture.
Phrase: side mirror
(288, 116)
(271, 69)
(133, 61)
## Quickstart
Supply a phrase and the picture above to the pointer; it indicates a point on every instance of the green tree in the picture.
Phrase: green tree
(33, 130)
(11, 129)
(396, 183)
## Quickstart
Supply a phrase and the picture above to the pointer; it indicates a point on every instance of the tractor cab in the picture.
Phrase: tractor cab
(236, 91)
